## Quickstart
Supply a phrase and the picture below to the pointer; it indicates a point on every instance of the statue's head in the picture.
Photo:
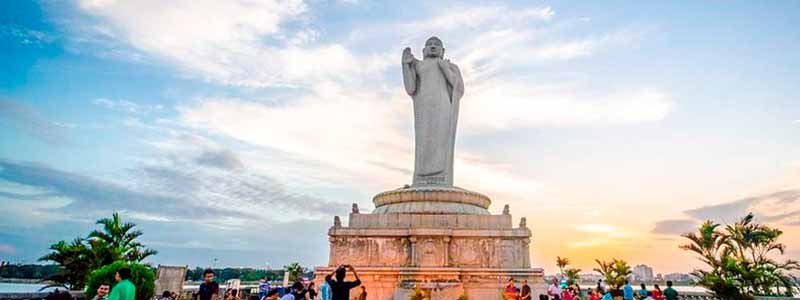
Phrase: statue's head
(433, 48)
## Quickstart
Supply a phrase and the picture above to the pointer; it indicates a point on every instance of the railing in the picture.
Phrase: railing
(707, 296)
(76, 295)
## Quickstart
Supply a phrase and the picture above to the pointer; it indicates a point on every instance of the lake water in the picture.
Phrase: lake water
(22, 287)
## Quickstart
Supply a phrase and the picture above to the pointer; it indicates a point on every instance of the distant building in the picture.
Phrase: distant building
(642, 273)
(677, 277)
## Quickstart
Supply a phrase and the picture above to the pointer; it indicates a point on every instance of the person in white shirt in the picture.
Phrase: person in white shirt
(554, 291)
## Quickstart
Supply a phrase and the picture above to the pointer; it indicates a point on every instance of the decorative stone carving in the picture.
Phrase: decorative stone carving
(355, 208)
(506, 210)
(337, 223)
(523, 222)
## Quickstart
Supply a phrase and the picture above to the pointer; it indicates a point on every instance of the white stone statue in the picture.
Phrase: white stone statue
(436, 86)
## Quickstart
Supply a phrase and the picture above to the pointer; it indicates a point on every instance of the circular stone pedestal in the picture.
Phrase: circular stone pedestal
(431, 200)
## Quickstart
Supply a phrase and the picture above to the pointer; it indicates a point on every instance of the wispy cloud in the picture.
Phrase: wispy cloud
(26, 119)
(782, 207)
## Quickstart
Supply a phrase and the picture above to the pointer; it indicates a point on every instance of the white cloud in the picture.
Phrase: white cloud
(350, 121)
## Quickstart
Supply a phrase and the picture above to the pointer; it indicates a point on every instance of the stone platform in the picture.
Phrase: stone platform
(445, 254)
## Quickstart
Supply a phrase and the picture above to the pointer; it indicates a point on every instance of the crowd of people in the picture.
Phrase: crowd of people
(336, 288)
(560, 290)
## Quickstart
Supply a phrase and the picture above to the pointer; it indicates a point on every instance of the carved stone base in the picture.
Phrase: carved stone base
(396, 283)
(443, 254)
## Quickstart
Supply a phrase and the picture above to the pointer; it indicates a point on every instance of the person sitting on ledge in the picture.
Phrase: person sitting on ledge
(340, 289)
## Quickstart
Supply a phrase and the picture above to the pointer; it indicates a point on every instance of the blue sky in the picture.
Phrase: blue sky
(237, 129)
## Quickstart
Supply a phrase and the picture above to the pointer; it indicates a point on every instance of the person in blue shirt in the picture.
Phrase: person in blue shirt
(627, 291)
(643, 292)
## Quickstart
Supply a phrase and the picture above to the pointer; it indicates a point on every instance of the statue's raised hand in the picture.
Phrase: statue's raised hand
(407, 56)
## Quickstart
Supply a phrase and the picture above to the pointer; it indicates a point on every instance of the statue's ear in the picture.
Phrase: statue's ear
(442, 53)
(425, 52)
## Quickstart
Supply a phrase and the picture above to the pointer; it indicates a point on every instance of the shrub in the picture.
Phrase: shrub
(142, 278)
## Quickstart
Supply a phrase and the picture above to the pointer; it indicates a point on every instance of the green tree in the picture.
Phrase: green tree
(117, 242)
(573, 275)
(142, 277)
(739, 260)
(75, 261)
(295, 271)
(562, 263)
(615, 272)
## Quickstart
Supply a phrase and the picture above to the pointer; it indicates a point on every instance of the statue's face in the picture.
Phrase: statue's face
(433, 48)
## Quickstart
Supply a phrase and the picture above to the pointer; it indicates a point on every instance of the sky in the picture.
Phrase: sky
(237, 129)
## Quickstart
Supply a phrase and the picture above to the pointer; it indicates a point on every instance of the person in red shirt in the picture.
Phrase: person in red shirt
(594, 295)
(567, 294)
(657, 294)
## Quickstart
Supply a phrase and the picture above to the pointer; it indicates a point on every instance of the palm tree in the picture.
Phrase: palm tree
(740, 260)
(573, 275)
(562, 263)
(615, 272)
(75, 260)
(295, 271)
(117, 241)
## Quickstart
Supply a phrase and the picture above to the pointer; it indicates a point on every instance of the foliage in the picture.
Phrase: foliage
(295, 271)
(615, 272)
(29, 271)
(573, 275)
(562, 263)
(245, 274)
(738, 257)
(142, 277)
(77, 259)
(117, 242)
(417, 294)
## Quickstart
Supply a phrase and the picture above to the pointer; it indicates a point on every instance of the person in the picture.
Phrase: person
(312, 293)
(59, 295)
(511, 290)
(263, 287)
(272, 295)
(600, 288)
(594, 294)
(124, 289)
(670, 293)
(298, 290)
(166, 295)
(102, 292)
(554, 291)
(174, 296)
(525, 293)
(363, 295)
(643, 294)
(209, 289)
(325, 291)
(657, 295)
(607, 296)
(340, 289)
(627, 291)
(568, 294)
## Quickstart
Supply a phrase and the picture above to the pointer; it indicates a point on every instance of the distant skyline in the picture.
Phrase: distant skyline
(238, 129)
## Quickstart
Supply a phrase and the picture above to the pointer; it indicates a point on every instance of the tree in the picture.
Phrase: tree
(615, 272)
(117, 241)
(295, 271)
(75, 261)
(738, 257)
(562, 263)
(573, 275)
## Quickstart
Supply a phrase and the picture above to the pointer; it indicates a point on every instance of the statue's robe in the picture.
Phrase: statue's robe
(436, 104)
